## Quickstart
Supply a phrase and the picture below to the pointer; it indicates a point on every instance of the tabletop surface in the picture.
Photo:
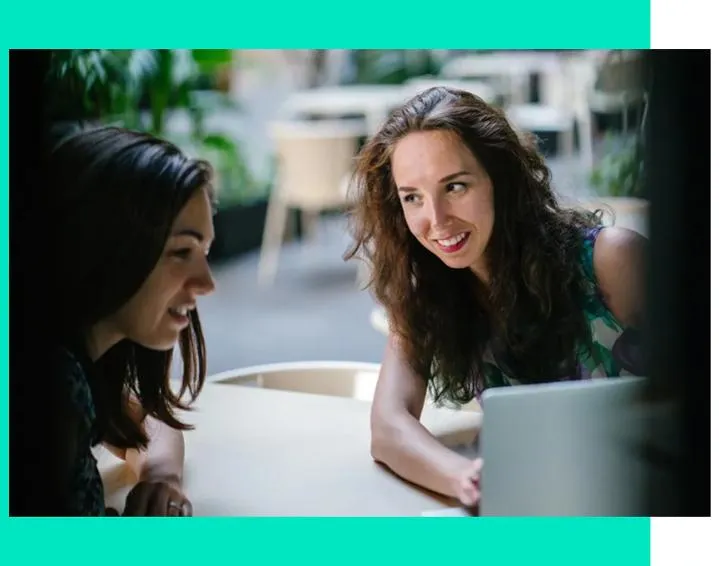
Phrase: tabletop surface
(267, 452)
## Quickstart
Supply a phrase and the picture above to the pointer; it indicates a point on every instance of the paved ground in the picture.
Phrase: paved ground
(314, 311)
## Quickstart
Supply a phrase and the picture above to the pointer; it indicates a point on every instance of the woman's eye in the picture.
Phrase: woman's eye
(409, 198)
(183, 253)
(456, 187)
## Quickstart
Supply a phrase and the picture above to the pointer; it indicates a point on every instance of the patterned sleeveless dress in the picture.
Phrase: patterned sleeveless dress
(614, 351)
(84, 493)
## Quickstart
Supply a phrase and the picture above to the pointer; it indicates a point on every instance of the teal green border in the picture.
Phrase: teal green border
(561, 24)
(461, 24)
(411, 541)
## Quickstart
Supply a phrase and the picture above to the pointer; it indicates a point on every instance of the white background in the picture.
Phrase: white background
(687, 24)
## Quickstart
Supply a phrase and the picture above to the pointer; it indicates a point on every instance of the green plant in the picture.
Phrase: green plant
(102, 84)
(211, 65)
(392, 66)
(230, 163)
(115, 86)
(620, 171)
(86, 84)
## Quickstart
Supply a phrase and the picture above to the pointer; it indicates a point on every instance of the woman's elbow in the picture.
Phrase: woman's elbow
(383, 437)
(376, 449)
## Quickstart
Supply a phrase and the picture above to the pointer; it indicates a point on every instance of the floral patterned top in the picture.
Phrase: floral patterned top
(614, 350)
(85, 493)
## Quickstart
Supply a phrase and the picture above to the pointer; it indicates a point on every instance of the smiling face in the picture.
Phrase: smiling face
(447, 198)
(158, 312)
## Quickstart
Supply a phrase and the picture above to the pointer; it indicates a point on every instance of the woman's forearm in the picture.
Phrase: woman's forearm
(411, 452)
(164, 457)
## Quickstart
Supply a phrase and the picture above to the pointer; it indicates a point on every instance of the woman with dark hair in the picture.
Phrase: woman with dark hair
(486, 280)
(134, 226)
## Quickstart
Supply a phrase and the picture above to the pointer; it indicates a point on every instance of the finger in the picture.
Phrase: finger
(476, 471)
(174, 509)
(186, 510)
(178, 506)
(138, 499)
(469, 494)
(148, 501)
(477, 466)
(160, 502)
(468, 500)
(473, 492)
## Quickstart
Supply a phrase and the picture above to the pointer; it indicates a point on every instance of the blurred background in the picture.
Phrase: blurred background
(282, 128)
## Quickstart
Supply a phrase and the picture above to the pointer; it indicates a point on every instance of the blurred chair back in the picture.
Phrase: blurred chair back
(314, 159)
(354, 380)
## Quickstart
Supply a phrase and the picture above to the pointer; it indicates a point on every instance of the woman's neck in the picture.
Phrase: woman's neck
(481, 271)
(100, 338)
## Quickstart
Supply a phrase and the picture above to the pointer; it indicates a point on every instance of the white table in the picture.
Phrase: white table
(375, 102)
(503, 61)
(509, 68)
(266, 452)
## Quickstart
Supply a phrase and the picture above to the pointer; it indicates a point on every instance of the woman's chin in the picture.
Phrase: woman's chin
(462, 261)
(160, 343)
(466, 262)
(456, 264)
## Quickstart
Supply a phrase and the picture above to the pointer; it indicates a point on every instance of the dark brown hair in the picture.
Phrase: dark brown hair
(116, 194)
(529, 314)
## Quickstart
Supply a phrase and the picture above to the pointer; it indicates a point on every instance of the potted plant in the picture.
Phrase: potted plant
(138, 89)
(618, 180)
(242, 201)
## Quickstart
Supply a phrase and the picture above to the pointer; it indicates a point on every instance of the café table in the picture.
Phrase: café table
(261, 452)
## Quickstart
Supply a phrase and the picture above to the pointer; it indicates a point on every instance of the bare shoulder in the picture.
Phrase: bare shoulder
(619, 265)
(616, 246)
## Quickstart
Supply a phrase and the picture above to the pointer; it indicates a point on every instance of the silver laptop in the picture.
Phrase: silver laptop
(563, 449)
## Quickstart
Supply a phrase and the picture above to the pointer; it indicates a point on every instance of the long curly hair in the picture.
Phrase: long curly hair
(529, 315)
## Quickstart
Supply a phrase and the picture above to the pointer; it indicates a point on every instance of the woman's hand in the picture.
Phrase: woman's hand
(466, 483)
(158, 469)
(157, 499)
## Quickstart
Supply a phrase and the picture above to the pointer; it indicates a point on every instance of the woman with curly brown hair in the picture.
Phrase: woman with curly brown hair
(486, 280)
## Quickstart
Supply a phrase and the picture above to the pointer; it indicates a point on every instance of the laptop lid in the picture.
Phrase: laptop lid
(563, 449)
